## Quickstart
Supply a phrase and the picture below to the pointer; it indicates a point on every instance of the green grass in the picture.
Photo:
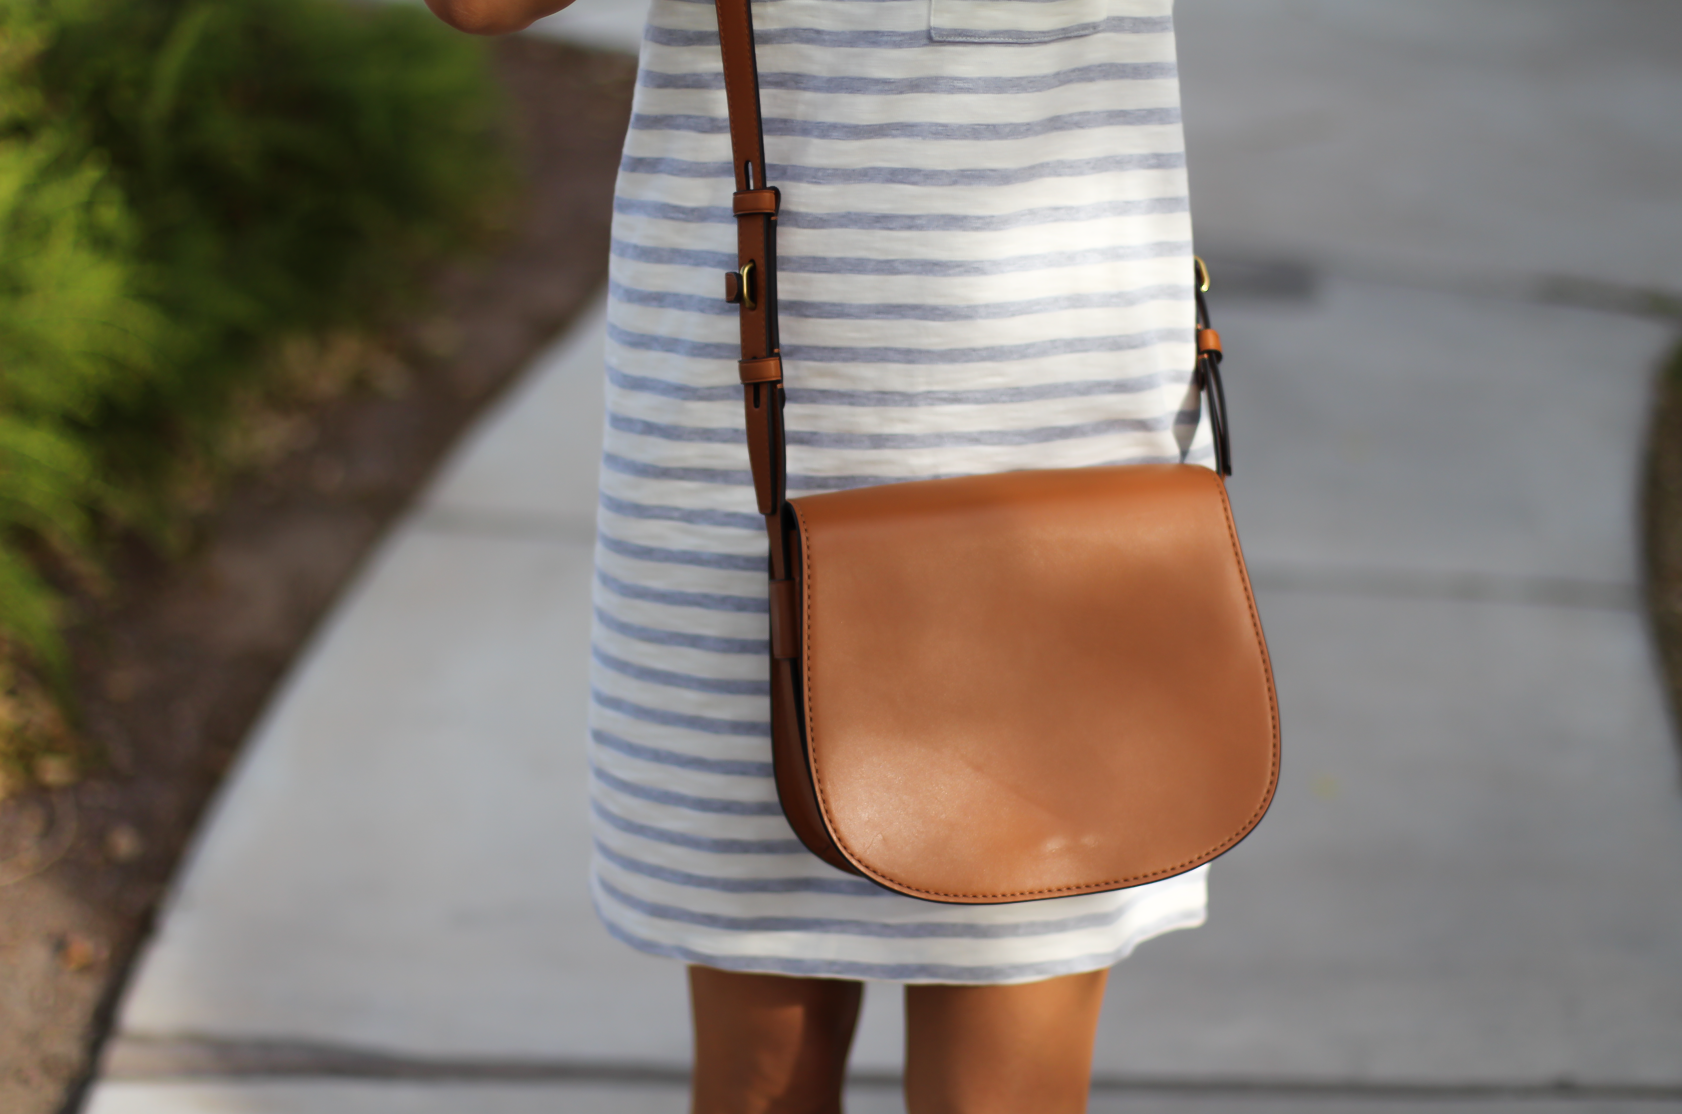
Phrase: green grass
(185, 184)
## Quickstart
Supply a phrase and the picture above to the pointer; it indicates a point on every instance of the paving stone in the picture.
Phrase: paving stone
(531, 462)
(1472, 872)
(1467, 137)
(399, 861)
(1427, 434)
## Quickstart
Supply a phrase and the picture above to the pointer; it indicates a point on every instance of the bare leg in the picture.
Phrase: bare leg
(1002, 1049)
(766, 1044)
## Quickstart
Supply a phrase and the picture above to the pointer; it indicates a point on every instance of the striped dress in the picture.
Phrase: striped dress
(985, 261)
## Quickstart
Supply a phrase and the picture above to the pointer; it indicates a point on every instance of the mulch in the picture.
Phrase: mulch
(172, 666)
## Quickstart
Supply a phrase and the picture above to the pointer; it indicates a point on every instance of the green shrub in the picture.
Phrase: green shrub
(74, 332)
(183, 185)
(287, 160)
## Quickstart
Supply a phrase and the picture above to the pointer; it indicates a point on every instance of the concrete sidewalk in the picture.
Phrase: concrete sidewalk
(1469, 894)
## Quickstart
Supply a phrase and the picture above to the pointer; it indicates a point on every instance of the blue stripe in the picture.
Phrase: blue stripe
(1041, 435)
(802, 482)
(694, 516)
(847, 887)
(840, 926)
(707, 725)
(695, 842)
(818, 396)
(928, 85)
(962, 35)
(924, 268)
(911, 222)
(719, 805)
(689, 681)
(665, 431)
(905, 311)
(706, 601)
(715, 643)
(732, 477)
(836, 354)
(797, 481)
(697, 558)
(665, 388)
(916, 130)
(662, 757)
(963, 177)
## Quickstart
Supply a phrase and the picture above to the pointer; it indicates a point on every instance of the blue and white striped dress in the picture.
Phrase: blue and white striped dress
(985, 261)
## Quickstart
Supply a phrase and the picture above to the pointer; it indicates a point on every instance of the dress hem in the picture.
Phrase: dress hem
(910, 973)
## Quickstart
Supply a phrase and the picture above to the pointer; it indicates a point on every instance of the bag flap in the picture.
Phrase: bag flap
(1030, 684)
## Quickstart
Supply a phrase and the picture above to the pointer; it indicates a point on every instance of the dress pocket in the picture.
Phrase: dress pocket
(1013, 21)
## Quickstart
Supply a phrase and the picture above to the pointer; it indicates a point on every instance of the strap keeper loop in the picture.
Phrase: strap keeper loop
(751, 202)
(767, 369)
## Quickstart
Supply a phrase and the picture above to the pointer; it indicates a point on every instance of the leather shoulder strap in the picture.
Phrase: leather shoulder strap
(752, 287)
(1208, 373)
(741, 92)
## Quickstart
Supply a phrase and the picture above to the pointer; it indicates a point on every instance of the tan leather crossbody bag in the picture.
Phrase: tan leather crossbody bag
(1002, 687)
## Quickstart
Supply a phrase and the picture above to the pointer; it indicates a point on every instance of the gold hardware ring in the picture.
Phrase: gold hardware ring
(1202, 273)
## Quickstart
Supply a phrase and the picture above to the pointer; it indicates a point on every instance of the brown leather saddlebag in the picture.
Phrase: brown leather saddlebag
(1023, 685)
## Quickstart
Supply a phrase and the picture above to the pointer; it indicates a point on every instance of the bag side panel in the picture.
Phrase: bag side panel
(793, 772)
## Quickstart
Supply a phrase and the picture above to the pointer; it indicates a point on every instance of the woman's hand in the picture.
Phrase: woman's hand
(494, 17)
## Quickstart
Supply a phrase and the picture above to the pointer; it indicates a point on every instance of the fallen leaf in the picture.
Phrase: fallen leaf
(78, 953)
(124, 844)
(56, 771)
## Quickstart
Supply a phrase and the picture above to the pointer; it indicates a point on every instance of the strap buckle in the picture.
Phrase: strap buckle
(738, 287)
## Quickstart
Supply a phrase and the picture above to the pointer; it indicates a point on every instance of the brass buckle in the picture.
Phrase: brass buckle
(1202, 274)
(748, 300)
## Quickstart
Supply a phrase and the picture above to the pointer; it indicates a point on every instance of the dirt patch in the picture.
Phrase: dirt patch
(1661, 521)
(172, 667)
